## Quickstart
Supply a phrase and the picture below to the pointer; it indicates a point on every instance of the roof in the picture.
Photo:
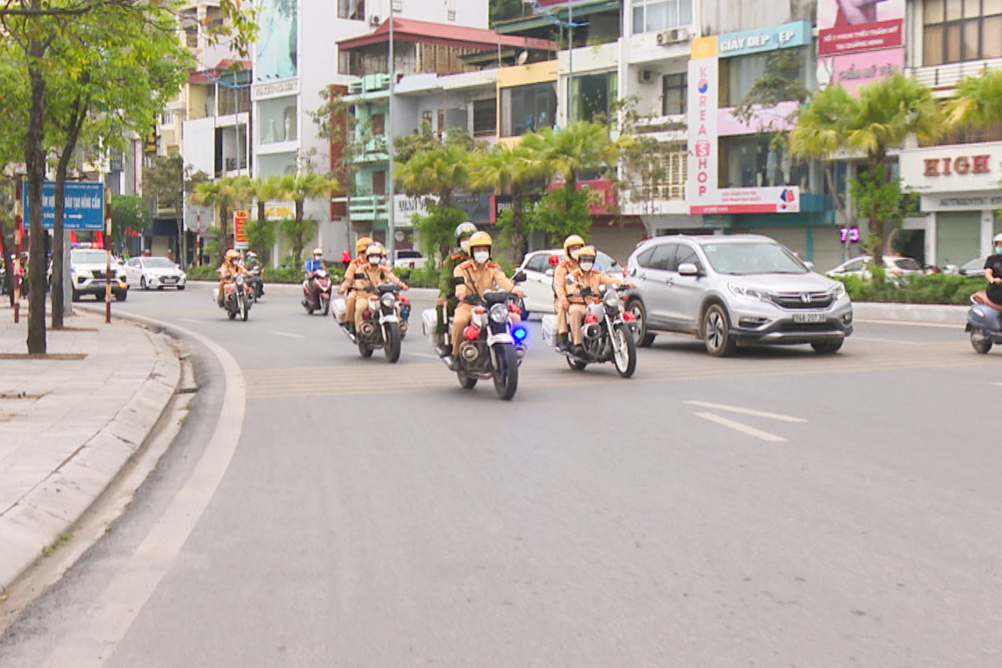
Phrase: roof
(225, 66)
(410, 30)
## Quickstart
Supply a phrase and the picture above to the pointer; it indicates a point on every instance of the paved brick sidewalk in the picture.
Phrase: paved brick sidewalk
(70, 421)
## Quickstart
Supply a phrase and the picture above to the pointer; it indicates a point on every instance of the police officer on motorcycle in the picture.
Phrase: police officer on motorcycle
(446, 291)
(586, 283)
(374, 273)
(572, 248)
(227, 271)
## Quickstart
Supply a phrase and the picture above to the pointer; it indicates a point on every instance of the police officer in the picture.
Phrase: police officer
(585, 276)
(480, 274)
(374, 273)
(572, 247)
(349, 279)
(446, 291)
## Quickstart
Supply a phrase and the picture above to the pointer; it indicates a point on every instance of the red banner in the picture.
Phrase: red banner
(240, 229)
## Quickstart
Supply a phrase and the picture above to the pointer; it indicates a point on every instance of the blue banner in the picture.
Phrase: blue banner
(785, 36)
(83, 205)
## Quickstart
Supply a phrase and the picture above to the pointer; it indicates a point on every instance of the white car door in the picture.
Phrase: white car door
(133, 271)
(538, 285)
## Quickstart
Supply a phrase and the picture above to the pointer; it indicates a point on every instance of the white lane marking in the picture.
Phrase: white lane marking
(908, 324)
(745, 411)
(895, 341)
(431, 357)
(743, 428)
(113, 611)
(291, 336)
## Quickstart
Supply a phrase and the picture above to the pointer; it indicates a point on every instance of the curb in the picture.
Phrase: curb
(935, 314)
(58, 502)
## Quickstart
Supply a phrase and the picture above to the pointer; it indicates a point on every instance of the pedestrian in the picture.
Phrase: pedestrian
(345, 258)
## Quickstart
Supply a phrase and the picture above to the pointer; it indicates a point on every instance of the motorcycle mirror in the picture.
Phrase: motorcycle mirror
(405, 275)
(518, 277)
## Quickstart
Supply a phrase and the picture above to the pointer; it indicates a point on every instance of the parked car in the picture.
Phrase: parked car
(895, 266)
(975, 267)
(538, 267)
(87, 274)
(154, 272)
(409, 259)
(734, 290)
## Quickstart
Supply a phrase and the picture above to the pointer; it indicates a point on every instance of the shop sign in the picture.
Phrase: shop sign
(859, 69)
(961, 201)
(785, 36)
(850, 27)
(958, 168)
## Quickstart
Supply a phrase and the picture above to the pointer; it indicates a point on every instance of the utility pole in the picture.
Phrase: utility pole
(388, 133)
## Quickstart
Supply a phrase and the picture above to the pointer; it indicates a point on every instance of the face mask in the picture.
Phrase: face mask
(586, 266)
(574, 254)
(998, 251)
(481, 256)
(464, 245)
(373, 260)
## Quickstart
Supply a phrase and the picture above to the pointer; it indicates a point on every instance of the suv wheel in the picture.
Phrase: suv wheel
(644, 339)
(717, 332)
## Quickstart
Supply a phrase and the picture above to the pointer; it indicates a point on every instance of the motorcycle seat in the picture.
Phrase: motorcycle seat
(981, 297)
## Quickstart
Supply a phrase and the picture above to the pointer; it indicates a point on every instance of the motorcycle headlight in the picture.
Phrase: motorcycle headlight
(611, 298)
(499, 313)
(387, 300)
(750, 293)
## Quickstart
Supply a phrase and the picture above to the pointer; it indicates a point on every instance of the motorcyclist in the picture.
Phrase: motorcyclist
(315, 263)
(227, 271)
(253, 266)
(572, 247)
(374, 273)
(587, 280)
(993, 271)
(349, 279)
(446, 290)
(480, 274)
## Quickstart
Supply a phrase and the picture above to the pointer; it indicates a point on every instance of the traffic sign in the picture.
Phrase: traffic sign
(83, 204)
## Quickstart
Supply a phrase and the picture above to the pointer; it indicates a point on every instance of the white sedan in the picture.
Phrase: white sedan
(154, 272)
(538, 267)
(895, 266)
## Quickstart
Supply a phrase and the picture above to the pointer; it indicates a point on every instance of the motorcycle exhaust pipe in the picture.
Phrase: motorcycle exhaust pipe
(367, 329)
(468, 351)
(591, 331)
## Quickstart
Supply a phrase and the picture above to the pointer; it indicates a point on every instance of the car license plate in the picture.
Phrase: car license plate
(809, 317)
(169, 279)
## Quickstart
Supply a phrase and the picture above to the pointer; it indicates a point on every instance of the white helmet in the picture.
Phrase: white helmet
(997, 238)
(318, 251)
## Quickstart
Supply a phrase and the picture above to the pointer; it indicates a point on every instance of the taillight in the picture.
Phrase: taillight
(471, 332)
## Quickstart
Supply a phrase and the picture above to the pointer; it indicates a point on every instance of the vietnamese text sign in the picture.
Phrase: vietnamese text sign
(240, 229)
(845, 27)
(746, 42)
(83, 205)
(859, 69)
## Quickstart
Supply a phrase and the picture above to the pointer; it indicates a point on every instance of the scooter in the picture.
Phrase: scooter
(984, 323)
(317, 292)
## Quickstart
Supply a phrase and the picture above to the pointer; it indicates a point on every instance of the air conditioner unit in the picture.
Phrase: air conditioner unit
(374, 20)
(673, 36)
(646, 76)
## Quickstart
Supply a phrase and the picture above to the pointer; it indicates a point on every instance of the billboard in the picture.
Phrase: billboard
(277, 53)
(83, 205)
(854, 70)
(847, 26)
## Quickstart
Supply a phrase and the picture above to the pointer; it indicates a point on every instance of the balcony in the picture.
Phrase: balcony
(946, 77)
(367, 208)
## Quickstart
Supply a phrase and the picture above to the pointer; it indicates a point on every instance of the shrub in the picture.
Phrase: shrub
(931, 289)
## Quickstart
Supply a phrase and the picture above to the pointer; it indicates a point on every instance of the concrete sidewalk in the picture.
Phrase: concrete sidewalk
(70, 421)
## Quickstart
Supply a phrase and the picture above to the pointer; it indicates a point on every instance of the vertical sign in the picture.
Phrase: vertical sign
(702, 103)
(240, 230)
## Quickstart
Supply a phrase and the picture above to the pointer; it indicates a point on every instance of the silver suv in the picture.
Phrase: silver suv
(730, 290)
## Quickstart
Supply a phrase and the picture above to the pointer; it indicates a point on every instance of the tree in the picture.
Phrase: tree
(441, 171)
(128, 213)
(163, 187)
(32, 27)
(978, 101)
(224, 195)
(510, 168)
(882, 117)
(581, 146)
(299, 188)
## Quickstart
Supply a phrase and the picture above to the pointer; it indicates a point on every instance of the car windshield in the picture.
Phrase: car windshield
(753, 258)
(88, 256)
(158, 263)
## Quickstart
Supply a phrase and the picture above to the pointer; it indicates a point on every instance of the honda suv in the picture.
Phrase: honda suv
(734, 290)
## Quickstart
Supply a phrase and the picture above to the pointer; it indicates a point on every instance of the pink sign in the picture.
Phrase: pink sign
(859, 69)
(765, 119)
(847, 26)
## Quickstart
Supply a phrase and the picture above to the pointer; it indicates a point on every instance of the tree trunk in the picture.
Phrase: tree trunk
(34, 159)
(517, 224)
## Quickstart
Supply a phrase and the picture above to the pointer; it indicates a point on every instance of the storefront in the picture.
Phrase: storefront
(960, 193)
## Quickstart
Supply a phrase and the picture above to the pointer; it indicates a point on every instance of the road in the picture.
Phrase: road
(778, 508)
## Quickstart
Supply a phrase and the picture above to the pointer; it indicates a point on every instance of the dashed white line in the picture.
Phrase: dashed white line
(291, 336)
(431, 357)
(895, 341)
(744, 411)
(743, 428)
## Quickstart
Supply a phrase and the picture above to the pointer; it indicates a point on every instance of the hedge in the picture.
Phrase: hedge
(928, 289)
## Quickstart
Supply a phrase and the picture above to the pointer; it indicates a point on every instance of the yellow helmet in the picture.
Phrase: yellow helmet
(232, 255)
(480, 239)
(573, 240)
(362, 244)
(587, 251)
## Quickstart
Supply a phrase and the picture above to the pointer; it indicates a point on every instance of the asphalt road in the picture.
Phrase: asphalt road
(778, 508)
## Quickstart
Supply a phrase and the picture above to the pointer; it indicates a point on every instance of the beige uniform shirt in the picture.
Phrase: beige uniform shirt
(560, 277)
(373, 276)
(590, 279)
(481, 279)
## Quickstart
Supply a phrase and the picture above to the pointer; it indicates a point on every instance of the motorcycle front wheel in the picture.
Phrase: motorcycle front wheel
(624, 351)
(505, 370)
(392, 348)
(980, 341)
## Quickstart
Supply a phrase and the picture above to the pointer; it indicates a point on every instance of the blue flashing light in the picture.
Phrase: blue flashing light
(519, 333)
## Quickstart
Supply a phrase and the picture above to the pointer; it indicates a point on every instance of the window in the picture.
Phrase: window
(591, 96)
(378, 125)
(738, 75)
(653, 15)
(485, 117)
(674, 90)
(959, 30)
(663, 258)
(528, 108)
(749, 162)
(539, 262)
(351, 9)
(379, 183)
(687, 254)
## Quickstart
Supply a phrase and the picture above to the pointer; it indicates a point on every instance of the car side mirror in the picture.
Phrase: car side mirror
(688, 269)
(548, 272)
(457, 280)
(518, 277)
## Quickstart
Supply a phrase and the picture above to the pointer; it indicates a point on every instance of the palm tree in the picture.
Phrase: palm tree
(440, 171)
(508, 168)
(978, 101)
(881, 118)
(264, 190)
(224, 195)
(299, 188)
(579, 147)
